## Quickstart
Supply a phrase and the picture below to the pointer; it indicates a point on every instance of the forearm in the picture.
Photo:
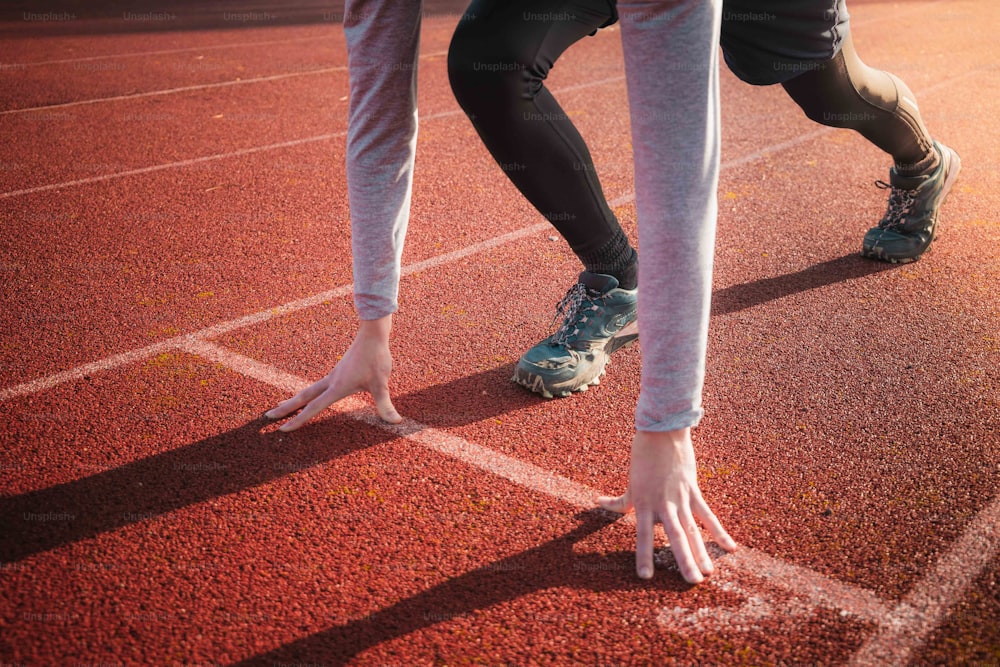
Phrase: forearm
(672, 68)
(382, 45)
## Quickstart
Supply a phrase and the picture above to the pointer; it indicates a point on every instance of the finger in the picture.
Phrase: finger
(621, 504)
(644, 544)
(680, 547)
(383, 405)
(333, 394)
(701, 510)
(697, 544)
(292, 404)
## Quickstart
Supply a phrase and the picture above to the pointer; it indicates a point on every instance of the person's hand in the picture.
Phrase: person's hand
(364, 367)
(663, 486)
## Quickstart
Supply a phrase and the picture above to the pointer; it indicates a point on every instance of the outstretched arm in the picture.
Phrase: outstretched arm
(383, 39)
(671, 65)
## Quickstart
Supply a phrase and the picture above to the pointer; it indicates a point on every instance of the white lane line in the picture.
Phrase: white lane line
(197, 160)
(164, 52)
(927, 604)
(901, 630)
(254, 369)
(488, 244)
(818, 589)
(172, 165)
(172, 91)
(187, 89)
(114, 361)
(106, 364)
(223, 156)
(589, 84)
(729, 164)
(44, 383)
(525, 474)
(775, 148)
(821, 591)
(735, 162)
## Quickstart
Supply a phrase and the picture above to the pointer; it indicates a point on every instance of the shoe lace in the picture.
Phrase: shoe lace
(570, 308)
(900, 202)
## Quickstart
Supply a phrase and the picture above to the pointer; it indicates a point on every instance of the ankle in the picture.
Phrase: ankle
(628, 277)
(922, 167)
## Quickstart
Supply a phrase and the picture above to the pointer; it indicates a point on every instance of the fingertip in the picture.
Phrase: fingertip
(728, 543)
(607, 503)
(645, 572)
(695, 577)
(282, 410)
(277, 412)
(616, 504)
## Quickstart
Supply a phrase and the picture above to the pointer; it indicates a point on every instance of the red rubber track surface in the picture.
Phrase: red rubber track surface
(176, 258)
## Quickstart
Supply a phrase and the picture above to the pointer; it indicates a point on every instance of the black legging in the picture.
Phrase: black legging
(499, 58)
(845, 92)
(503, 50)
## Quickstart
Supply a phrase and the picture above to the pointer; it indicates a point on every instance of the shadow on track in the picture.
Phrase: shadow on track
(552, 564)
(740, 297)
(249, 455)
(225, 463)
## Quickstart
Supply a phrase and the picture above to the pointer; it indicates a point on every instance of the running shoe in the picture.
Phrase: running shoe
(910, 221)
(598, 317)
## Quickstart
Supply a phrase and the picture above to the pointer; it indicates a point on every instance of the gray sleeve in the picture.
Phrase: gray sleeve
(671, 64)
(383, 39)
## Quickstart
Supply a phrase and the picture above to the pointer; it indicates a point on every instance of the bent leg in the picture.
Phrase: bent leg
(499, 58)
(846, 92)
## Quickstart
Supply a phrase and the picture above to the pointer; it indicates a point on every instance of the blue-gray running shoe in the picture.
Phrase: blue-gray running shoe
(910, 221)
(598, 318)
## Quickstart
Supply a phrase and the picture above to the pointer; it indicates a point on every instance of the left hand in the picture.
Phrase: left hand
(663, 485)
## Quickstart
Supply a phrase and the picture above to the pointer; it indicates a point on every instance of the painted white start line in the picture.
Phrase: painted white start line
(779, 590)
(770, 589)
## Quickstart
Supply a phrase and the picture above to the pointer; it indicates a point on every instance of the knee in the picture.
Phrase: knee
(826, 95)
(481, 70)
(845, 92)
(461, 58)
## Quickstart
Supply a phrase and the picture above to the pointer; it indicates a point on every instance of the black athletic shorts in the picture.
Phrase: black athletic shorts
(772, 41)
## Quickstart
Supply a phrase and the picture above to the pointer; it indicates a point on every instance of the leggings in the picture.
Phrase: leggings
(499, 58)
(845, 92)
(502, 52)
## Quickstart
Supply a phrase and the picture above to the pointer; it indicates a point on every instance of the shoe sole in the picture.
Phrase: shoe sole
(954, 166)
(535, 383)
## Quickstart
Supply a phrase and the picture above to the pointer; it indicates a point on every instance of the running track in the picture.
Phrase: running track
(175, 257)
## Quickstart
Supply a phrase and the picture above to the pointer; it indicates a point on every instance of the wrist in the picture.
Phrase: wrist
(673, 445)
(378, 329)
(676, 436)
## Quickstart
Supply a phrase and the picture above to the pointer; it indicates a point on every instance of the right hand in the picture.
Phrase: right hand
(365, 366)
